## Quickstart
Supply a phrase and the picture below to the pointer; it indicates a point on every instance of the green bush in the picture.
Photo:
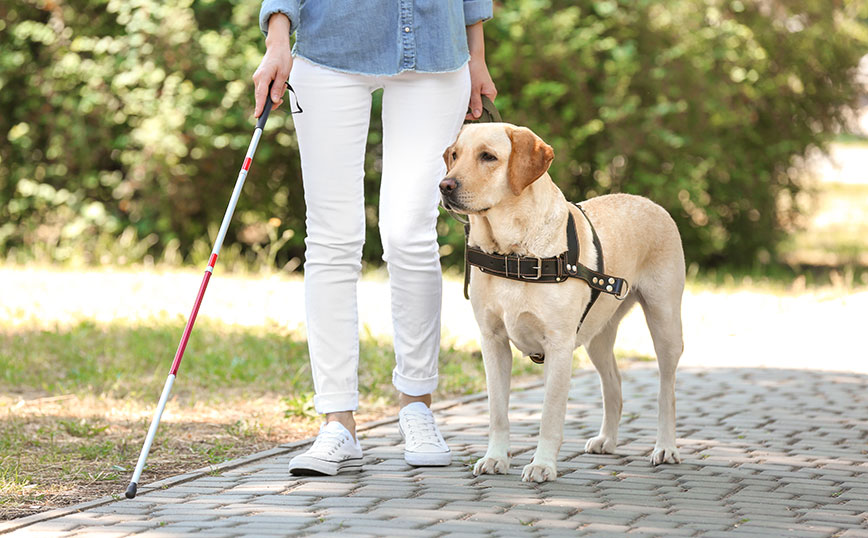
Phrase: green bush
(134, 116)
(125, 122)
(699, 105)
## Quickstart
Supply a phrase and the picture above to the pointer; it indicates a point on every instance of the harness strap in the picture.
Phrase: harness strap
(466, 261)
(547, 270)
(595, 293)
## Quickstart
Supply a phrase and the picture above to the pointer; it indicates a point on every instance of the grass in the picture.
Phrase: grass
(76, 401)
(222, 361)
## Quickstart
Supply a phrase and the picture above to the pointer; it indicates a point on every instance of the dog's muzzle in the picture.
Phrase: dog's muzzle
(448, 186)
(448, 189)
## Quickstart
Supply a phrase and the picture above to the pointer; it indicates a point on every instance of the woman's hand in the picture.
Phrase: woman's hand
(480, 84)
(480, 80)
(275, 66)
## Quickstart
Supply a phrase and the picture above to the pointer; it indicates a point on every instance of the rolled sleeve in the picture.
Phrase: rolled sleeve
(476, 10)
(289, 8)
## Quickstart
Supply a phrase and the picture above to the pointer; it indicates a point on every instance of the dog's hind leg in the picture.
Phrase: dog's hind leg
(601, 351)
(497, 356)
(663, 315)
(602, 354)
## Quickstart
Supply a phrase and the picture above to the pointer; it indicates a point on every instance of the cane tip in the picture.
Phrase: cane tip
(131, 490)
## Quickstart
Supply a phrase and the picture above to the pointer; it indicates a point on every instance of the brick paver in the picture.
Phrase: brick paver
(766, 453)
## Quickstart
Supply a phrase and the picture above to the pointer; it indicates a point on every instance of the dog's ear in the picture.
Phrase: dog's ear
(529, 160)
(447, 156)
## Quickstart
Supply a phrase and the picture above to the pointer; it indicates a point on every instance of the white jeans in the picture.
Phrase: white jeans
(422, 113)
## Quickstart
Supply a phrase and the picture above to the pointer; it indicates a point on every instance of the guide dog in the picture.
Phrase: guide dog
(497, 175)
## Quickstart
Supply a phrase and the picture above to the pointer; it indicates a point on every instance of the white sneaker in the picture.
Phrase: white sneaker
(423, 443)
(334, 451)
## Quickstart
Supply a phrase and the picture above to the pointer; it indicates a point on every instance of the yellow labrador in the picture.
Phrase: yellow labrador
(497, 175)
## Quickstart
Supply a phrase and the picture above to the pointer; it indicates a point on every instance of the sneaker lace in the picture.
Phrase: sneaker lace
(421, 429)
(329, 442)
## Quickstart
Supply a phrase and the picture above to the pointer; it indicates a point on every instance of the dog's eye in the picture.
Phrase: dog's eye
(485, 156)
(454, 155)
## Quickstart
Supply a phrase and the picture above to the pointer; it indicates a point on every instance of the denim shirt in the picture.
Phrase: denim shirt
(380, 37)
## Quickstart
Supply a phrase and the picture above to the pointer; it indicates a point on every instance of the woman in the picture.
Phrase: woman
(429, 58)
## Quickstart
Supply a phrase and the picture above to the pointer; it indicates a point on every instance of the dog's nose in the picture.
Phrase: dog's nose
(448, 185)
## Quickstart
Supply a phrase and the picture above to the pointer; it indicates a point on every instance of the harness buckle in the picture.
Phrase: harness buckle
(625, 291)
(538, 270)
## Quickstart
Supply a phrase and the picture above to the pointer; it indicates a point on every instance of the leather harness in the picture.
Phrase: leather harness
(548, 270)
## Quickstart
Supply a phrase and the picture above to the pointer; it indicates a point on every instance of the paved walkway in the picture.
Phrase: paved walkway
(767, 452)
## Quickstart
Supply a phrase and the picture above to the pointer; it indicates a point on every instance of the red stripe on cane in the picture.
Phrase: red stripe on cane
(179, 354)
(212, 261)
(247, 162)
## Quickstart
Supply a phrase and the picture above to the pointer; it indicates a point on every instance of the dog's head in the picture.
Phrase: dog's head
(490, 163)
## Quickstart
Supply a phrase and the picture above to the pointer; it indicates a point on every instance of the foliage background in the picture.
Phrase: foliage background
(125, 121)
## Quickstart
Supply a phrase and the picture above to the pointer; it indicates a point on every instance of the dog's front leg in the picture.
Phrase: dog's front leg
(497, 357)
(558, 368)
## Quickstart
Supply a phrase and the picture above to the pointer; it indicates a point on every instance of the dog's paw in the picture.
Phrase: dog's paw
(491, 465)
(539, 472)
(601, 444)
(665, 454)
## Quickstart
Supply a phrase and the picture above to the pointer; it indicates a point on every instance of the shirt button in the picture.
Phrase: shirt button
(406, 29)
